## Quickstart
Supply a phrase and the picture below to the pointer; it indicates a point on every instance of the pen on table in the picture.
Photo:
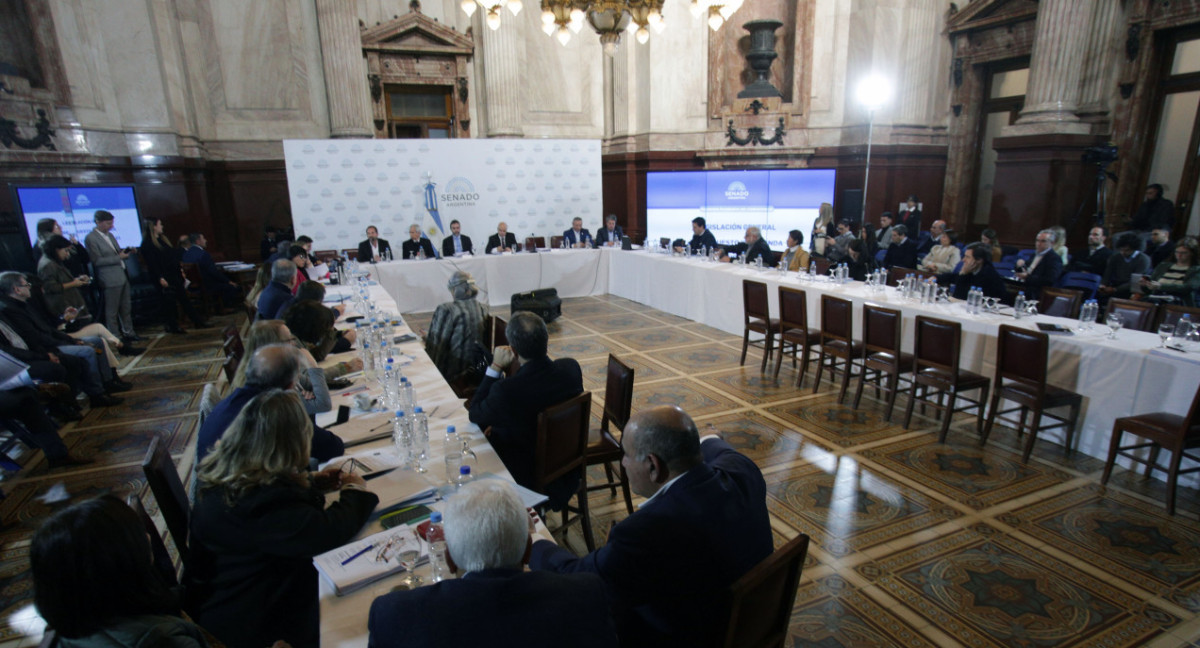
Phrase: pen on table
(357, 554)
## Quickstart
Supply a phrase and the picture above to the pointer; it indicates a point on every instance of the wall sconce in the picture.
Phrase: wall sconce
(462, 88)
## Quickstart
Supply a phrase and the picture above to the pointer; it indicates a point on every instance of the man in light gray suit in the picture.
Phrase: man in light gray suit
(109, 261)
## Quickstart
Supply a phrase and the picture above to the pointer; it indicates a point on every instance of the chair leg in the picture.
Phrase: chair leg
(893, 387)
(779, 358)
(608, 474)
(585, 517)
(745, 345)
(947, 414)
(862, 379)
(845, 381)
(625, 489)
(991, 418)
(1173, 478)
(804, 351)
(1037, 422)
(1114, 445)
(1152, 460)
(820, 370)
(981, 408)
(1021, 427)
(908, 409)
(1074, 416)
(769, 346)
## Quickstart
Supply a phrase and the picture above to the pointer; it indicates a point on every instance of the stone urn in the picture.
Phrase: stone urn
(760, 56)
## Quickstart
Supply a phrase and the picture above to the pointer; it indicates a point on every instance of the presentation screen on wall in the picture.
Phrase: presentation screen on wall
(74, 208)
(776, 201)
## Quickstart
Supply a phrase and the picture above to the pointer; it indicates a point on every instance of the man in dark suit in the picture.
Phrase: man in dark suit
(456, 244)
(1093, 258)
(215, 281)
(577, 236)
(977, 271)
(1045, 268)
(277, 293)
(1160, 248)
(269, 245)
(510, 406)
(374, 249)
(701, 237)
(1128, 261)
(703, 526)
(502, 241)
(274, 366)
(610, 235)
(753, 248)
(416, 245)
(487, 544)
(902, 253)
(933, 238)
(910, 216)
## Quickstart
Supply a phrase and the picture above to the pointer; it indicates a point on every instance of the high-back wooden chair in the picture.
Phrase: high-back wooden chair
(1138, 315)
(881, 355)
(1060, 302)
(1177, 434)
(756, 317)
(837, 341)
(936, 369)
(618, 403)
(793, 330)
(562, 441)
(167, 487)
(760, 602)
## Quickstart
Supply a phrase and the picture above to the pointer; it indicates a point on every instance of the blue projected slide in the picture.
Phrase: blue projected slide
(74, 208)
(776, 201)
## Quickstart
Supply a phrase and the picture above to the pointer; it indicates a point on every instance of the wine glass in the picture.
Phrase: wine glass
(1114, 322)
(408, 556)
(1165, 331)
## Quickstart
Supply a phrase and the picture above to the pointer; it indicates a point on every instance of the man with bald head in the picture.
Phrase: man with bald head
(417, 244)
(275, 366)
(935, 236)
(703, 525)
(502, 241)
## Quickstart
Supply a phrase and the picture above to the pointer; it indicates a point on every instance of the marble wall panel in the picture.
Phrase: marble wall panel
(84, 61)
(131, 46)
(255, 54)
(676, 101)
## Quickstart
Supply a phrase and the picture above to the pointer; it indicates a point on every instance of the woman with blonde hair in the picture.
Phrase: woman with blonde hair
(823, 228)
(162, 264)
(259, 519)
(260, 283)
(1060, 244)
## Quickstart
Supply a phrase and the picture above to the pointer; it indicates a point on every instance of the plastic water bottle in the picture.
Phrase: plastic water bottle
(402, 437)
(812, 269)
(464, 477)
(1019, 305)
(420, 434)
(408, 393)
(368, 358)
(437, 548)
(1183, 327)
(1087, 315)
(421, 253)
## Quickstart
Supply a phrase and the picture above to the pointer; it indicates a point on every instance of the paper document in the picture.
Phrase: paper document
(362, 562)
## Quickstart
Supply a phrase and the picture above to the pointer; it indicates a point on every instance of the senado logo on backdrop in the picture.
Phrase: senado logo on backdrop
(459, 192)
(82, 200)
(736, 191)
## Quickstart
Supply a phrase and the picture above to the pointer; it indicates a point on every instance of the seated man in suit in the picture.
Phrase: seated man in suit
(1045, 268)
(883, 235)
(502, 241)
(703, 526)
(417, 246)
(795, 257)
(1160, 248)
(701, 237)
(839, 250)
(457, 244)
(510, 406)
(935, 236)
(374, 249)
(577, 236)
(610, 235)
(215, 281)
(977, 271)
(1093, 258)
(1126, 262)
(753, 248)
(269, 244)
(902, 253)
(19, 401)
(275, 366)
(487, 544)
(276, 294)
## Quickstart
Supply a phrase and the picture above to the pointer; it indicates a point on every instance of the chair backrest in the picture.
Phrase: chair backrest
(158, 548)
(1170, 314)
(1021, 355)
(837, 318)
(168, 490)
(618, 392)
(822, 265)
(233, 342)
(325, 255)
(499, 334)
(1138, 315)
(1027, 255)
(230, 366)
(760, 602)
(881, 330)
(1060, 302)
(936, 344)
(793, 309)
(556, 241)
(562, 438)
(1085, 281)
(754, 301)
(351, 253)
(534, 242)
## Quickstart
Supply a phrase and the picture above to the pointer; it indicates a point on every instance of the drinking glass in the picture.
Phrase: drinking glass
(1114, 322)
(1165, 331)
(408, 557)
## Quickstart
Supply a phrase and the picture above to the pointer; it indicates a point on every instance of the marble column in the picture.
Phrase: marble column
(502, 79)
(1060, 49)
(345, 73)
(923, 43)
(1103, 58)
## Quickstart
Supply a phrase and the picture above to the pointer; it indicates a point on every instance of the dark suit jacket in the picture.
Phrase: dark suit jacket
(1045, 274)
(752, 252)
(508, 609)
(1119, 270)
(903, 255)
(911, 220)
(448, 245)
(703, 240)
(668, 565)
(1160, 253)
(510, 241)
(364, 250)
(511, 406)
(214, 279)
(38, 334)
(272, 299)
(250, 570)
(987, 278)
(926, 243)
(325, 444)
(409, 248)
(584, 236)
(603, 237)
(1087, 260)
(162, 264)
(264, 247)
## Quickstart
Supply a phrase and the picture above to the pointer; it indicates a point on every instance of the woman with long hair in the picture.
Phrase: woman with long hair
(260, 517)
(63, 299)
(162, 264)
(76, 262)
(944, 256)
(824, 231)
(312, 321)
(95, 584)
(1179, 278)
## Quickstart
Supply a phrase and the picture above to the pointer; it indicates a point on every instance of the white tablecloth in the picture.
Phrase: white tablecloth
(419, 286)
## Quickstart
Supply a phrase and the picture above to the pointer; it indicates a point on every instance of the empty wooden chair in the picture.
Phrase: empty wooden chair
(1137, 315)
(760, 602)
(793, 330)
(837, 341)
(1161, 430)
(618, 403)
(881, 355)
(534, 242)
(936, 369)
(1060, 302)
(158, 549)
(1170, 314)
(164, 482)
(756, 317)
(1021, 359)
(556, 241)
(350, 253)
(562, 442)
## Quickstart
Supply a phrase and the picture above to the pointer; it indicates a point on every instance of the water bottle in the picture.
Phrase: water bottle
(812, 269)
(464, 477)
(1085, 312)
(437, 548)
(758, 263)
(1183, 327)
(368, 358)
(420, 252)
(402, 438)
(1019, 305)
(408, 393)
(420, 433)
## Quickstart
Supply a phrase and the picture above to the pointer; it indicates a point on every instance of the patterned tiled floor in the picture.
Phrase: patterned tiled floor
(914, 543)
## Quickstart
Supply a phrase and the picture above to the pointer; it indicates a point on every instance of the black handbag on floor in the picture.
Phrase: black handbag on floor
(545, 303)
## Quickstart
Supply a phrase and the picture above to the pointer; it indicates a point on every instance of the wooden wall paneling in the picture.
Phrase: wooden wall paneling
(257, 196)
(1041, 181)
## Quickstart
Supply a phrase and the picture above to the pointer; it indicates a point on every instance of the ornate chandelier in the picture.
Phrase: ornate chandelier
(561, 18)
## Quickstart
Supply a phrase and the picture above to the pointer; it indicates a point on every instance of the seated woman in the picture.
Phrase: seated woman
(313, 379)
(312, 321)
(455, 338)
(944, 256)
(858, 262)
(260, 282)
(989, 238)
(95, 584)
(259, 519)
(1179, 278)
(64, 301)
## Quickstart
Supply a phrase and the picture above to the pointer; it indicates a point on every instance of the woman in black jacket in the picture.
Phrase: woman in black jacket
(162, 264)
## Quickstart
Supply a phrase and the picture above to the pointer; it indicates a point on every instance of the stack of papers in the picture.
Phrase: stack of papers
(362, 562)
